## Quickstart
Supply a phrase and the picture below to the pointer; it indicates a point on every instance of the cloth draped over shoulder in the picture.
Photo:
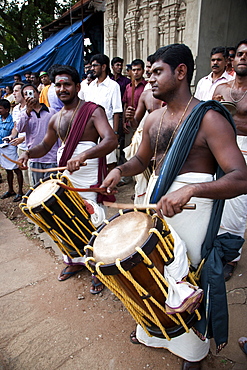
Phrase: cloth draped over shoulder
(214, 322)
(76, 132)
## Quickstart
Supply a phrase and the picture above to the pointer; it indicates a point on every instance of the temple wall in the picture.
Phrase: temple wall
(137, 28)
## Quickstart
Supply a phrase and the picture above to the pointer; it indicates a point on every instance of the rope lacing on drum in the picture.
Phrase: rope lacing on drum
(63, 226)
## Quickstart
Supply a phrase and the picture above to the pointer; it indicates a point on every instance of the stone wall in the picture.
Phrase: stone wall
(137, 28)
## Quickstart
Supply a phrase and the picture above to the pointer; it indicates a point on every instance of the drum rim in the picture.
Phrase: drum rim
(48, 202)
(132, 259)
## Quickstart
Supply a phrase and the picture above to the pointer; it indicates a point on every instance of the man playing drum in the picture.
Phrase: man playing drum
(87, 149)
(213, 144)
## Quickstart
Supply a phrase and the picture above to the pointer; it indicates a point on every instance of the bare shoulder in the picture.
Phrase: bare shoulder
(214, 123)
(223, 87)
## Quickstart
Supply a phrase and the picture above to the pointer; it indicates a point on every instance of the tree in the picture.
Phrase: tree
(21, 22)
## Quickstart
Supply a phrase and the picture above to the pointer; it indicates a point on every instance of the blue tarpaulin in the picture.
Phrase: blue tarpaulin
(63, 47)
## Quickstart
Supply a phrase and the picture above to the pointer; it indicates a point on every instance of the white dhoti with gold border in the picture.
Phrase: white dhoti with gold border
(191, 226)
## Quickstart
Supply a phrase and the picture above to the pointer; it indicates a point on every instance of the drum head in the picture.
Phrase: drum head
(121, 236)
(42, 193)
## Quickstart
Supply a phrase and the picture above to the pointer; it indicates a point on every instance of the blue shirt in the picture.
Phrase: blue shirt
(6, 127)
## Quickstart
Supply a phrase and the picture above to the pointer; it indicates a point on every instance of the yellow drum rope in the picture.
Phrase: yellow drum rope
(135, 310)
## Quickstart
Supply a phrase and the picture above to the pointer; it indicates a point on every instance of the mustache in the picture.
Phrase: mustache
(63, 93)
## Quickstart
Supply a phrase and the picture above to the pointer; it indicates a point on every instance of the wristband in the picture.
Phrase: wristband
(119, 169)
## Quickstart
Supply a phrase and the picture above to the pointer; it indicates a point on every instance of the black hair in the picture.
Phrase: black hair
(10, 87)
(219, 50)
(102, 59)
(176, 54)
(116, 60)
(36, 74)
(65, 69)
(26, 85)
(50, 71)
(5, 104)
(27, 73)
(17, 75)
(150, 58)
(136, 62)
(18, 83)
(241, 42)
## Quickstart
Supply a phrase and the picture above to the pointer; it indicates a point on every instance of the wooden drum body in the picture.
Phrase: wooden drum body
(128, 253)
(59, 212)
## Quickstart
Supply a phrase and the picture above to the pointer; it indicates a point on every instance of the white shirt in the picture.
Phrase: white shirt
(107, 94)
(16, 116)
(84, 87)
(206, 86)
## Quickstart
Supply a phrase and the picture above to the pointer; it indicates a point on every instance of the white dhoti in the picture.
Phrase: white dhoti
(191, 226)
(234, 215)
(84, 178)
(11, 152)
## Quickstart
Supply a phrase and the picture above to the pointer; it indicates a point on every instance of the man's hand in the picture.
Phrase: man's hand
(23, 159)
(218, 98)
(111, 181)
(30, 104)
(172, 203)
(129, 113)
(17, 140)
(125, 127)
(75, 163)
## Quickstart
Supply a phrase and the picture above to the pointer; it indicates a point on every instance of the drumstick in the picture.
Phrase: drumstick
(96, 190)
(142, 206)
(12, 160)
(52, 169)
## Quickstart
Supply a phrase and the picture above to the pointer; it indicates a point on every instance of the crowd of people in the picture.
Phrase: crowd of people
(141, 127)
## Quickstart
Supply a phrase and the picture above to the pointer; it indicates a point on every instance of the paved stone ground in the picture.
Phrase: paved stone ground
(48, 325)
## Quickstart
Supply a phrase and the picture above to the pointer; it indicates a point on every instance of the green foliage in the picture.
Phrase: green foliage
(21, 22)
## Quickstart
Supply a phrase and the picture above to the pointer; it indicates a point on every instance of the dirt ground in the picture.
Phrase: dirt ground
(117, 321)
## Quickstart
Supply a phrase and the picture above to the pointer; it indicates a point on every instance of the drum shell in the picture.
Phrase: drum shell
(140, 273)
(55, 209)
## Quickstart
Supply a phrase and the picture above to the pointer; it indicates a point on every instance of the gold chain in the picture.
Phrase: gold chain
(171, 138)
(69, 125)
(238, 100)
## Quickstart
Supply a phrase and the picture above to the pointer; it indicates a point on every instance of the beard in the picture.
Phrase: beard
(241, 72)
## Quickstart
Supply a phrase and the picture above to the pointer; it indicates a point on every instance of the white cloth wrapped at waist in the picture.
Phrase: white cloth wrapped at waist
(182, 295)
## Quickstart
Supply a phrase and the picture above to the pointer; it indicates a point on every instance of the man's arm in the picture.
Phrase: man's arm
(135, 116)
(220, 139)
(44, 147)
(136, 164)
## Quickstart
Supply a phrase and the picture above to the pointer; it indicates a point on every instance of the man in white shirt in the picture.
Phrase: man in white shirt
(206, 85)
(105, 92)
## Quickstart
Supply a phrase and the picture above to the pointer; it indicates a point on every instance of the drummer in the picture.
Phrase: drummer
(235, 211)
(87, 149)
(172, 71)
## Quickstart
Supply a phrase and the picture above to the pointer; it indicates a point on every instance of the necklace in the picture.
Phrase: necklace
(238, 100)
(171, 138)
(69, 125)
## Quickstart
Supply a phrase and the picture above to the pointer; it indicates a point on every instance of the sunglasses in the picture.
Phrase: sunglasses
(231, 55)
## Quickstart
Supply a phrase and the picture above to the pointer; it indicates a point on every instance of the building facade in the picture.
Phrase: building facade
(137, 28)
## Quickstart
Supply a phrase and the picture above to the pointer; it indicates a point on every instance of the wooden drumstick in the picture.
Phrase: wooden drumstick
(12, 160)
(53, 169)
(142, 206)
(95, 190)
